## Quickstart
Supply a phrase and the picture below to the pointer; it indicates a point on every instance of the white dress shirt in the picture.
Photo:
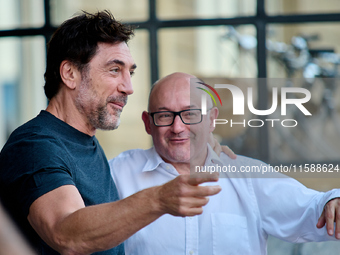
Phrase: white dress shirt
(236, 221)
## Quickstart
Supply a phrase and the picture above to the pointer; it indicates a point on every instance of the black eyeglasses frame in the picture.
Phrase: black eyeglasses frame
(152, 114)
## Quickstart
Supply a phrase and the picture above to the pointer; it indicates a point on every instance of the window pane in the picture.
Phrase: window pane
(21, 14)
(307, 54)
(278, 7)
(321, 37)
(127, 10)
(186, 9)
(208, 51)
(312, 138)
(131, 133)
(22, 66)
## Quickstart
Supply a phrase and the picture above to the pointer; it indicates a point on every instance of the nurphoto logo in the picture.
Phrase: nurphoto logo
(286, 97)
(204, 98)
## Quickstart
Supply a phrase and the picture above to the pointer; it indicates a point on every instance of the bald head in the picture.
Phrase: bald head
(173, 82)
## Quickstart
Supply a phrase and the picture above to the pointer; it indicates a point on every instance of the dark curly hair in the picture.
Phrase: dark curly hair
(76, 40)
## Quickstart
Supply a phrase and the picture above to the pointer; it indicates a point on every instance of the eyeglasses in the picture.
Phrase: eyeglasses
(166, 118)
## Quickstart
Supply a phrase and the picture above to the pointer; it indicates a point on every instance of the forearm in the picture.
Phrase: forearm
(103, 226)
(62, 220)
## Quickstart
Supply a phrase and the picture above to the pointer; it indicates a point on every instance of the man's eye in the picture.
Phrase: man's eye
(165, 115)
(189, 114)
(132, 73)
(115, 70)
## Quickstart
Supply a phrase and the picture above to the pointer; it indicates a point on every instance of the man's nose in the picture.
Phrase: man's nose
(125, 85)
(178, 125)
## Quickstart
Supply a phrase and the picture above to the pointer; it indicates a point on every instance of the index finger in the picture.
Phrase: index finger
(329, 215)
(204, 191)
(202, 178)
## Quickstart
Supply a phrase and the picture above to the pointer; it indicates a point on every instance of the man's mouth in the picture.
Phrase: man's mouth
(118, 102)
(118, 105)
(179, 140)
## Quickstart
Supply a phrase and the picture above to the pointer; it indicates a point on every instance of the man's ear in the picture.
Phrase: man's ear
(213, 115)
(69, 74)
(146, 120)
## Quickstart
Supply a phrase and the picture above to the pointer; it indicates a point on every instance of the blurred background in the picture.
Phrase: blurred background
(292, 42)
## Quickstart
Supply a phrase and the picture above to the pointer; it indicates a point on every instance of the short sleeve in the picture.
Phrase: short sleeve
(30, 167)
(40, 183)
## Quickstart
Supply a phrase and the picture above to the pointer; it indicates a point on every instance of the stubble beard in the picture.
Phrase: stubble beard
(102, 119)
(98, 116)
(179, 153)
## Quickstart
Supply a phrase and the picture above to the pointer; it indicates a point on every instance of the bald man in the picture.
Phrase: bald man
(239, 219)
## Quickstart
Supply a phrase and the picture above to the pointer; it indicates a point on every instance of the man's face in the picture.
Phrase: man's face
(105, 85)
(179, 142)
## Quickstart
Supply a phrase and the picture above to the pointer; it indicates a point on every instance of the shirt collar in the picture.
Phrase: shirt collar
(212, 157)
(153, 161)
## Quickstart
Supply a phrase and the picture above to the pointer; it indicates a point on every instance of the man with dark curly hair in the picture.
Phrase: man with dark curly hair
(55, 179)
